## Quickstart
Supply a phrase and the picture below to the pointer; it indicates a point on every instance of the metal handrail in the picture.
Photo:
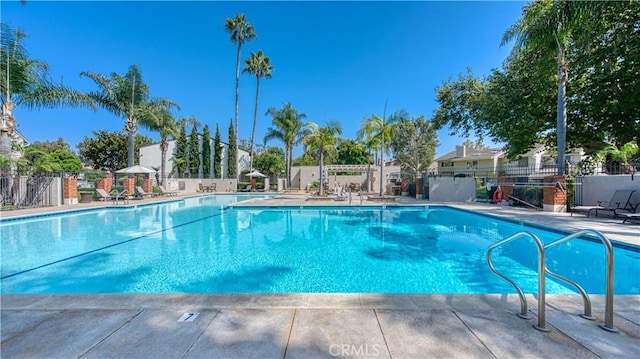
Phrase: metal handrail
(524, 313)
(608, 312)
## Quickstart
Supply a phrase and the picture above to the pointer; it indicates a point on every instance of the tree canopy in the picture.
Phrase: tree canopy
(516, 104)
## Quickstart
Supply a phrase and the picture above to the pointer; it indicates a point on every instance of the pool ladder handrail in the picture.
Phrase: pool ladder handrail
(542, 268)
(116, 198)
(524, 312)
(608, 310)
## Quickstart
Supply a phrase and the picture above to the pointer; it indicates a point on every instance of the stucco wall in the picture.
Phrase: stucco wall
(451, 189)
(150, 157)
(601, 188)
(305, 175)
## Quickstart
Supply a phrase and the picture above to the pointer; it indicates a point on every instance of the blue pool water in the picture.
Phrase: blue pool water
(199, 246)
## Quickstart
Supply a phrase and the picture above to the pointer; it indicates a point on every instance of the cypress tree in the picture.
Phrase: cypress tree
(217, 155)
(194, 154)
(206, 152)
(232, 155)
(180, 158)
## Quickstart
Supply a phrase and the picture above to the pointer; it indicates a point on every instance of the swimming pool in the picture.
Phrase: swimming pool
(199, 245)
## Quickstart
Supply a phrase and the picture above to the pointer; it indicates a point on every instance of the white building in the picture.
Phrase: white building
(150, 157)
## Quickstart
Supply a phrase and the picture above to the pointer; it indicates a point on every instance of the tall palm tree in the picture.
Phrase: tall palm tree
(126, 96)
(241, 31)
(259, 65)
(322, 139)
(548, 25)
(24, 81)
(381, 128)
(166, 125)
(288, 128)
(372, 144)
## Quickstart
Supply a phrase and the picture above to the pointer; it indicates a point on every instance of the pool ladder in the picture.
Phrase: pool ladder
(542, 270)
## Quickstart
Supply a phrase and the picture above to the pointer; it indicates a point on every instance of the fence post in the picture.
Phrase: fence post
(70, 190)
(555, 194)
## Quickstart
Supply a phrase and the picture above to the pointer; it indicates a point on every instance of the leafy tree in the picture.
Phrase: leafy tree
(306, 159)
(241, 31)
(25, 81)
(624, 155)
(271, 161)
(518, 103)
(383, 128)
(50, 146)
(58, 161)
(232, 159)
(127, 96)
(259, 65)
(414, 145)
(108, 150)
(194, 153)
(288, 128)
(351, 152)
(217, 154)
(206, 152)
(323, 139)
(180, 156)
(549, 26)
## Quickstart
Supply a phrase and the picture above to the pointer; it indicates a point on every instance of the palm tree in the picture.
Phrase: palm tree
(288, 128)
(381, 128)
(322, 139)
(126, 96)
(24, 81)
(259, 65)
(166, 125)
(372, 144)
(548, 25)
(240, 31)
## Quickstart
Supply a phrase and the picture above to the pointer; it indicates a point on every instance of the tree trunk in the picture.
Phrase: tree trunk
(237, 99)
(321, 173)
(288, 164)
(163, 158)
(255, 119)
(561, 129)
(381, 165)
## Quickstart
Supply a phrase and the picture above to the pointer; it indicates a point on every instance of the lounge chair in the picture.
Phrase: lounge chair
(141, 193)
(246, 189)
(620, 202)
(340, 195)
(164, 192)
(634, 214)
(103, 195)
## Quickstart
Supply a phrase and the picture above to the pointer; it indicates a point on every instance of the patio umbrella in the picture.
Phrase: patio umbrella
(135, 170)
(255, 174)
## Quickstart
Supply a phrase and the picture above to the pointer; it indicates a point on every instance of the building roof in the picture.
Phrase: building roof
(472, 154)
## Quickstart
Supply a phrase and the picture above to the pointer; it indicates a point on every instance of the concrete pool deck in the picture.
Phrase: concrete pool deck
(321, 325)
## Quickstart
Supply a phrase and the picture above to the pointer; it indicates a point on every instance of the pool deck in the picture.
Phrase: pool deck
(309, 325)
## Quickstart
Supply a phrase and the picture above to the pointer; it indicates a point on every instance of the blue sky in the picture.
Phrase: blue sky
(332, 60)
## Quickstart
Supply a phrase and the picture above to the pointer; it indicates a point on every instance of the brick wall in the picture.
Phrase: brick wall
(147, 185)
(130, 185)
(105, 184)
(553, 195)
(70, 190)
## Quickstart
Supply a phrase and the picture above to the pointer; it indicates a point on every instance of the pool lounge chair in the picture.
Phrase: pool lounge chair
(340, 195)
(103, 195)
(141, 193)
(633, 215)
(247, 189)
(164, 192)
(619, 203)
